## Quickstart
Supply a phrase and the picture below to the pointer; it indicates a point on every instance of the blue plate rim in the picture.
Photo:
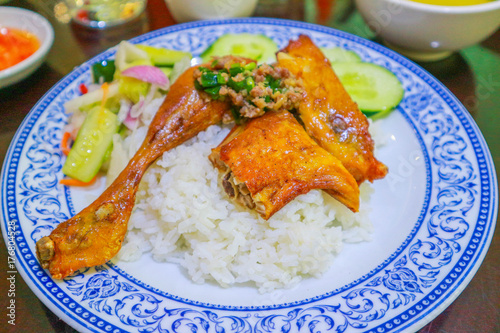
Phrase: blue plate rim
(438, 87)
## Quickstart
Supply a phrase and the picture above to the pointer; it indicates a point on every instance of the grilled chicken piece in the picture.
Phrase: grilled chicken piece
(270, 160)
(95, 235)
(328, 113)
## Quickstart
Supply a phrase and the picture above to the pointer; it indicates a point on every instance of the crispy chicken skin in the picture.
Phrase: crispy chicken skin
(328, 113)
(95, 235)
(271, 160)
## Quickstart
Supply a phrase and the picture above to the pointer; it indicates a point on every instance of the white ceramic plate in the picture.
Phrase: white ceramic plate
(19, 18)
(434, 216)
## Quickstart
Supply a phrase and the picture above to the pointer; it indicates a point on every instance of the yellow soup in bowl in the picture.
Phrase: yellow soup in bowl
(453, 2)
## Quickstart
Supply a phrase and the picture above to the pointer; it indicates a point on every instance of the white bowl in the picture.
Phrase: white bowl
(191, 10)
(429, 32)
(12, 17)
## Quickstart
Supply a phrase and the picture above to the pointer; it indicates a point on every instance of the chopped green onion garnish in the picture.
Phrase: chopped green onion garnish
(221, 79)
(250, 66)
(250, 83)
(236, 116)
(209, 79)
(198, 85)
(235, 70)
(275, 84)
(236, 85)
(214, 91)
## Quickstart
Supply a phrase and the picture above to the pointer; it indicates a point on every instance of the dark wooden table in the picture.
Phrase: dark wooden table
(473, 75)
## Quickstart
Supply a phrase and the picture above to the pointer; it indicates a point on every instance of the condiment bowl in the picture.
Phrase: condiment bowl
(191, 10)
(23, 19)
(429, 32)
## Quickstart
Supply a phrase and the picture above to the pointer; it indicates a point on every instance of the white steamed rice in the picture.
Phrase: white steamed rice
(182, 215)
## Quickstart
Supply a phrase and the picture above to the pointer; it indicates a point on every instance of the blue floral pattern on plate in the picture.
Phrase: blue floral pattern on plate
(425, 273)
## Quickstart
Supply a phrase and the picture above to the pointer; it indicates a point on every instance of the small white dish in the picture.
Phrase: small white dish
(192, 10)
(19, 18)
(429, 32)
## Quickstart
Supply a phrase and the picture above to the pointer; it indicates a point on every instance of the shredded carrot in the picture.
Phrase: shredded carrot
(64, 143)
(76, 182)
(105, 90)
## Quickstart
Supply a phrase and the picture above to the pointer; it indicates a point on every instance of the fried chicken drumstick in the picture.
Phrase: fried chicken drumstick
(95, 235)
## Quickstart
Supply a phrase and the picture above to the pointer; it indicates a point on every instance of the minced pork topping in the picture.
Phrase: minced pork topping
(253, 89)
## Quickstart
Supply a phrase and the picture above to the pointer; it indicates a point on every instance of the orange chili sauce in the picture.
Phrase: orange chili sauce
(15, 46)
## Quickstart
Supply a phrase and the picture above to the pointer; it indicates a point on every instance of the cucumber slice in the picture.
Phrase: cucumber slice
(166, 70)
(379, 115)
(337, 54)
(138, 62)
(91, 145)
(132, 88)
(256, 47)
(373, 87)
(163, 57)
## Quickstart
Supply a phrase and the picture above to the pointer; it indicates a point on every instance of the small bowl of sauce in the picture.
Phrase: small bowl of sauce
(25, 39)
(15, 46)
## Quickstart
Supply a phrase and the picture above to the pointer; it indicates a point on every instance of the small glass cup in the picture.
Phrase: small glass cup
(104, 13)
